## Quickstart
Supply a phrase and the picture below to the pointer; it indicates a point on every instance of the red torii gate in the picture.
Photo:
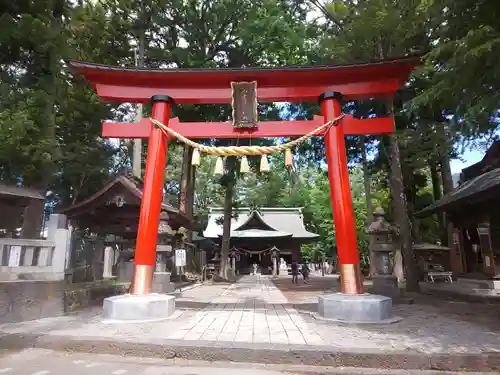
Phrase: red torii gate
(329, 84)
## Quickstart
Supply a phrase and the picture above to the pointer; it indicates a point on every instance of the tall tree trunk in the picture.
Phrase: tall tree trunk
(401, 211)
(190, 190)
(230, 178)
(410, 195)
(185, 178)
(437, 194)
(447, 179)
(186, 196)
(415, 225)
(226, 229)
(137, 142)
(446, 175)
(48, 63)
(368, 195)
(436, 185)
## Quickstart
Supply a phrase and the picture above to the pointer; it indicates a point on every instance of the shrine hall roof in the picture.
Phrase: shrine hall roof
(264, 223)
(115, 188)
(11, 191)
(472, 191)
(122, 84)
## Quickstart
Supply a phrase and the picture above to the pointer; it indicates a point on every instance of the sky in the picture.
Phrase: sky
(469, 158)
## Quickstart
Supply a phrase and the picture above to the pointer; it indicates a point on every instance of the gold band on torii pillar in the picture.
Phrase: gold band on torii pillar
(142, 279)
(351, 281)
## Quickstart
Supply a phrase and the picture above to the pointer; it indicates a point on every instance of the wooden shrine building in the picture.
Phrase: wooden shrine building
(473, 210)
(115, 210)
(258, 235)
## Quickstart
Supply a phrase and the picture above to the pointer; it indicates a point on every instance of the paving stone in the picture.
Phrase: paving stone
(279, 338)
(193, 335)
(210, 336)
(178, 335)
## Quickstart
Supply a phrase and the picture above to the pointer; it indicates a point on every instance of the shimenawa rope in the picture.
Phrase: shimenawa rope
(244, 150)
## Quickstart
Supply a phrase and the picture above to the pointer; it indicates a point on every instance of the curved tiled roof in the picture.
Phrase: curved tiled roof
(276, 222)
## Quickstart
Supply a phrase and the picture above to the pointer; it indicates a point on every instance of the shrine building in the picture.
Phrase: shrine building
(115, 210)
(472, 208)
(258, 234)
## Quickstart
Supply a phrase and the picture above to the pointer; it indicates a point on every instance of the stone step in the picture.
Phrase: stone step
(479, 284)
(270, 354)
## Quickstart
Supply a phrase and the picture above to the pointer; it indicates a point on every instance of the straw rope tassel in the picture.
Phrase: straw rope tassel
(195, 159)
(288, 158)
(244, 167)
(264, 164)
(219, 166)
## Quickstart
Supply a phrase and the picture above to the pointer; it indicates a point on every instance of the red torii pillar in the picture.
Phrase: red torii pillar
(340, 193)
(152, 197)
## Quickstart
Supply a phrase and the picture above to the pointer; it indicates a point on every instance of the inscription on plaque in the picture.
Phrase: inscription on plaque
(245, 106)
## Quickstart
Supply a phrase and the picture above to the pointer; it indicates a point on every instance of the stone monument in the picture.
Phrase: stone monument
(382, 246)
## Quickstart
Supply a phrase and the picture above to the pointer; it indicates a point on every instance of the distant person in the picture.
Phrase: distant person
(295, 273)
(305, 273)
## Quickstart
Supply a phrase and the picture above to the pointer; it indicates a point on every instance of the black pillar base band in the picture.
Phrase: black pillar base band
(330, 95)
(162, 99)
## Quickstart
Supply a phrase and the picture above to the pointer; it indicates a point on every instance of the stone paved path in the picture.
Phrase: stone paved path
(251, 310)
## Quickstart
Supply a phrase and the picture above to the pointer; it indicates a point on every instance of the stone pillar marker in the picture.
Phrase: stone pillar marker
(58, 232)
(275, 263)
(109, 258)
(56, 221)
(381, 244)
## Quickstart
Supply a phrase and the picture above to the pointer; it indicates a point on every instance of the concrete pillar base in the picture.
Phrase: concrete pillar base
(356, 308)
(130, 308)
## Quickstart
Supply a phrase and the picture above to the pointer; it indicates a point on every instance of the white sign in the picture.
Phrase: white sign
(15, 256)
(180, 257)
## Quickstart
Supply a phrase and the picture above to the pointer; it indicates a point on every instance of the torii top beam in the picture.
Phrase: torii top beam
(213, 86)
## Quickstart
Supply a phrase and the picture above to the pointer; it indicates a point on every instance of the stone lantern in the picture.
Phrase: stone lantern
(382, 245)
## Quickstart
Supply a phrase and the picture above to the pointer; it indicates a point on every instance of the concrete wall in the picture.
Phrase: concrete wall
(23, 300)
(30, 299)
(91, 295)
(37, 259)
